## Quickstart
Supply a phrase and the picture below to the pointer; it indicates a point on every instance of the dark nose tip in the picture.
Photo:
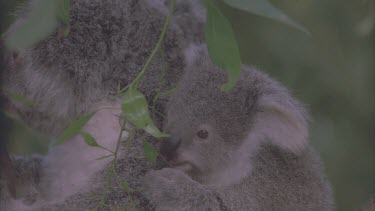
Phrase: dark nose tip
(169, 147)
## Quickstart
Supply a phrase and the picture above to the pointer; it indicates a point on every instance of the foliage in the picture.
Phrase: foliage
(74, 128)
(135, 108)
(222, 45)
(265, 9)
(150, 152)
(41, 22)
(19, 98)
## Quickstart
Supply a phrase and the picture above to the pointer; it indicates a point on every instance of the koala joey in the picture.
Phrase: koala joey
(245, 149)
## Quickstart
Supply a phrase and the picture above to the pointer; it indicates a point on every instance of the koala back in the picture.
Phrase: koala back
(282, 180)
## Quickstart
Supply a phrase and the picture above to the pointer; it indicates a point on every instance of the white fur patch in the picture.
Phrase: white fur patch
(159, 5)
(69, 167)
(193, 52)
(283, 123)
(198, 9)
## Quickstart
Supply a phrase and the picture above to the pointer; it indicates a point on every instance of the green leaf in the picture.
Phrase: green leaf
(19, 98)
(124, 185)
(136, 112)
(169, 92)
(150, 152)
(74, 128)
(222, 44)
(135, 108)
(24, 140)
(64, 11)
(89, 139)
(266, 9)
(63, 15)
(104, 157)
(154, 131)
(40, 22)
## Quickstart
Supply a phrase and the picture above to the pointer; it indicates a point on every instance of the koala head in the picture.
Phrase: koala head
(215, 133)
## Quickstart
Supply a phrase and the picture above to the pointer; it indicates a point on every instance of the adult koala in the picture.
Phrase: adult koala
(246, 149)
(67, 77)
(108, 44)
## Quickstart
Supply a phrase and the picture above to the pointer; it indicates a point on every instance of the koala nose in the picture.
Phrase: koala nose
(169, 147)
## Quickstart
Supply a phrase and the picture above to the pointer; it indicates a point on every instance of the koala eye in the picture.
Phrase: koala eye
(203, 134)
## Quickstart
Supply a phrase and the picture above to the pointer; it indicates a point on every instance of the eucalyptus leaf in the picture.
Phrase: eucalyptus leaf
(89, 139)
(136, 112)
(24, 140)
(19, 98)
(40, 22)
(64, 11)
(74, 128)
(265, 9)
(169, 92)
(150, 152)
(135, 108)
(63, 15)
(222, 45)
(124, 185)
(154, 131)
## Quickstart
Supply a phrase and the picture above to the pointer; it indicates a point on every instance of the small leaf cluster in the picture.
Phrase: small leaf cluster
(220, 38)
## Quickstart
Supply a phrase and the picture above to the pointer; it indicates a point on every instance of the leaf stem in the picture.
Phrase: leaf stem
(108, 108)
(114, 166)
(127, 190)
(106, 149)
(157, 112)
(119, 140)
(158, 44)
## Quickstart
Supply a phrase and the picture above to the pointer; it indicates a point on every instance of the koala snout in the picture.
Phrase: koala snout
(169, 147)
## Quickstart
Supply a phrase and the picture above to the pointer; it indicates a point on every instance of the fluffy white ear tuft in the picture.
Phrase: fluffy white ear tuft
(194, 52)
(282, 121)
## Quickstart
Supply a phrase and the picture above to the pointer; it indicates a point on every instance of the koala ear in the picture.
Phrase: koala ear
(281, 120)
(194, 52)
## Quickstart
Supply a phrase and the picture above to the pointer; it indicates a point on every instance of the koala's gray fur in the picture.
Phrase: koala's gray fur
(105, 191)
(256, 155)
(109, 42)
(260, 161)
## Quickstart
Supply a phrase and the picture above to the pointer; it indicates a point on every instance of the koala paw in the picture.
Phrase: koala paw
(168, 188)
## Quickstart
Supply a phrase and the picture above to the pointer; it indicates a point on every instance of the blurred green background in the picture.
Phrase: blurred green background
(331, 71)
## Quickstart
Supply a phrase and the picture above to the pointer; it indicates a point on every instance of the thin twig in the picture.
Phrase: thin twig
(108, 108)
(114, 166)
(158, 44)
